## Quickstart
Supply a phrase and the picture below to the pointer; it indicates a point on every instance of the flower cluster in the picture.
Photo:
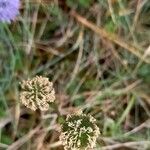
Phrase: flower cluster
(37, 93)
(79, 132)
(9, 9)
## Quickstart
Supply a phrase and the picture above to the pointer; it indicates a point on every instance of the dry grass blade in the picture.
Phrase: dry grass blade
(56, 144)
(4, 121)
(16, 145)
(112, 37)
(140, 127)
(127, 144)
(3, 146)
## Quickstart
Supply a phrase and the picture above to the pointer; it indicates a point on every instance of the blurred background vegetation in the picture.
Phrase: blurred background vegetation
(104, 70)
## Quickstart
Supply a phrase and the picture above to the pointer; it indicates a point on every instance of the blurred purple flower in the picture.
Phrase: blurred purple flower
(9, 9)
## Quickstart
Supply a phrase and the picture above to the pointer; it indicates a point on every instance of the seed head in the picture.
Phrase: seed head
(79, 132)
(9, 9)
(37, 93)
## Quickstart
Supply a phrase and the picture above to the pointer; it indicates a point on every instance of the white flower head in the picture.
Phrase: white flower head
(79, 132)
(37, 93)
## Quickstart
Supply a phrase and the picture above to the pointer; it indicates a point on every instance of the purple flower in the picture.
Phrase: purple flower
(9, 9)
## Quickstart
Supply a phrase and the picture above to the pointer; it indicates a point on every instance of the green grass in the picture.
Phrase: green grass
(88, 71)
